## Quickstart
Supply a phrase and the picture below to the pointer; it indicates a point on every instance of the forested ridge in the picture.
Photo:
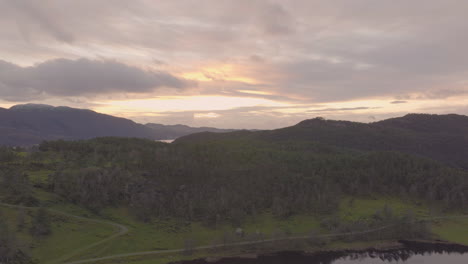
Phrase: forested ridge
(225, 181)
(225, 178)
(213, 177)
(439, 137)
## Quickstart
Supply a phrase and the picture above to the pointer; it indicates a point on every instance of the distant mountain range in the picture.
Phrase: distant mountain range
(440, 137)
(30, 124)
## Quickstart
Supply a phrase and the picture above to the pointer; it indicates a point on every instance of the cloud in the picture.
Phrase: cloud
(399, 102)
(38, 14)
(251, 117)
(296, 51)
(443, 93)
(82, 77)
(339, 109)
(206, 115)
(274, 19)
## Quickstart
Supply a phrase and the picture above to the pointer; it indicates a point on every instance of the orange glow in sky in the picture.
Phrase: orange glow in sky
(225, 72)
(184, 103)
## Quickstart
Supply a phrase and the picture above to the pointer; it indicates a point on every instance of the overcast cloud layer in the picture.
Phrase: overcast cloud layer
(298, 52)
(62, 77)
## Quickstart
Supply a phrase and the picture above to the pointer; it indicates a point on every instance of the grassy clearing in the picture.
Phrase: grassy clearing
(352, 209)
(455, 230)
(169, 258)
(71, 234)
(247, 251)
(39, 176)
(68, 234)
(172, 234)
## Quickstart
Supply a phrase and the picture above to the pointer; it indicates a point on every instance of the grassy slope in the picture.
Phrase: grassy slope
(352, 209)
(70, 234)
(67, 234)
(39, 176)
(171, 234)
(452, 230)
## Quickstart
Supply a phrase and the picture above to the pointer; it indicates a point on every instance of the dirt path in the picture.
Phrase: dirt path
(223, 245)
(154, 252)
(123, 230)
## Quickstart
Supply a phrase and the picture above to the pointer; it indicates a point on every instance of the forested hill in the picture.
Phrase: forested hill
(221, 182)
(226, 180)
(29, 124)
(440, 137)
(442, 124)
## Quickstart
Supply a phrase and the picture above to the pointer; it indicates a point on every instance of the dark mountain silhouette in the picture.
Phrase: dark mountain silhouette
(440, 137)
(32, 123)
(424, 123)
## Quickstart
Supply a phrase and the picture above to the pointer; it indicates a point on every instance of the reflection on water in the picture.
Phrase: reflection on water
(411, 253)
(166, 140)
(426, 258)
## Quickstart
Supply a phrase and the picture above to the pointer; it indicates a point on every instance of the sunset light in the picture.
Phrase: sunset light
(233, 131)
(218, 73)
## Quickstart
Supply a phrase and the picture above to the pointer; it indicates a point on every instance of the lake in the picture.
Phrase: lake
(410, 253)
(166, 140)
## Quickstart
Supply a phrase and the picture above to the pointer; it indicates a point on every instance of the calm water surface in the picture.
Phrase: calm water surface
(166, 140)
(413, 253)
(428, 258)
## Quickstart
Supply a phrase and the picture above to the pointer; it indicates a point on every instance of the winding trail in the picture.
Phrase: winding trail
(122, 230)
(155, 252)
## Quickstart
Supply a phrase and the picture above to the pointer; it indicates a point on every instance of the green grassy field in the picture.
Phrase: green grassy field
(455, 230)
(39, 176)
(172, 234)
(352, 209)
(71, 234)
(67, 234)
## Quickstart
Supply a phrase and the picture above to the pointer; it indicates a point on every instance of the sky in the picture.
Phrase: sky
(237, 63)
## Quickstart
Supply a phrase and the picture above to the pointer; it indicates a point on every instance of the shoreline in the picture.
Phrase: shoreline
(342, 250)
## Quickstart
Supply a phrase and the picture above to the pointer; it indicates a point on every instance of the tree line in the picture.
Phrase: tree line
(230, 179)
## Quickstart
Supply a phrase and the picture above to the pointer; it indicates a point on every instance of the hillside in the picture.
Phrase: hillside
(29, 124)
(319, 176)
(424, 123)
(170, 196)
(440, 137)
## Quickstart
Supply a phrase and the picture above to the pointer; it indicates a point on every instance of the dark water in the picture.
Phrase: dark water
(411, 253)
